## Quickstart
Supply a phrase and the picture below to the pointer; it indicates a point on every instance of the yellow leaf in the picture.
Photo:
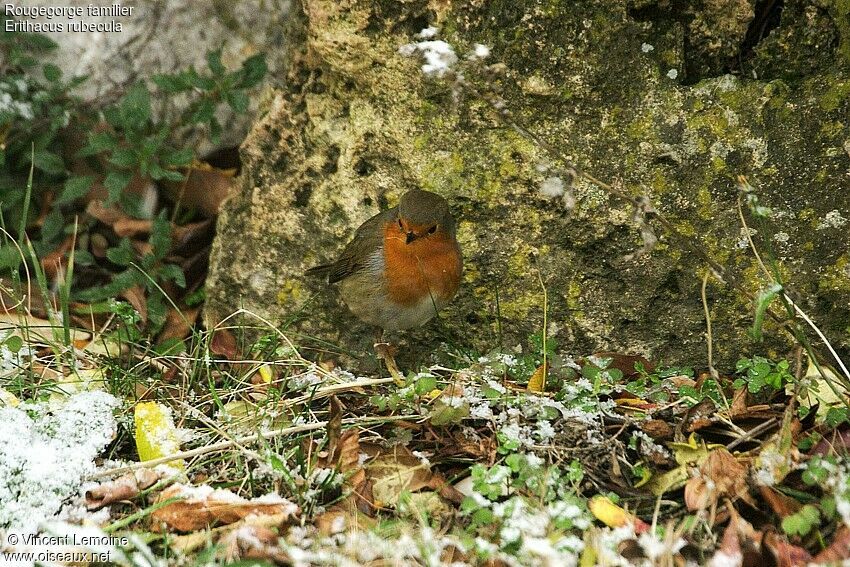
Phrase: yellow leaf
(265, 373)
(8, 399)
(608, 513)
(156, 436)
(537, 383)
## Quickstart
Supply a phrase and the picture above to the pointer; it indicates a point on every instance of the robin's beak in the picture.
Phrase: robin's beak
(411, 236)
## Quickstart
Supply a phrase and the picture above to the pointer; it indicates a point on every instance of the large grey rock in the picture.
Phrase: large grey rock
(635, 92)
(165, 37)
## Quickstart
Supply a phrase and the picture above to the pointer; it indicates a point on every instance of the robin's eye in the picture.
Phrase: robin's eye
(432, 230)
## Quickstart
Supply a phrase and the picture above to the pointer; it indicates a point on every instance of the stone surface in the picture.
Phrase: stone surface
(165, 37)
(626, 90)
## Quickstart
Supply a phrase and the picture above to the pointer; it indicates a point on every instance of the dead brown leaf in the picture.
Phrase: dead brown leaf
(626, 363)
(202, 507)
(223, 343)
(720, 475)
(698, 416)
(252, 542)
(204, 189)
(178, 324)
(784, 553)
(782, 505)
(122, 488)
(658, 429)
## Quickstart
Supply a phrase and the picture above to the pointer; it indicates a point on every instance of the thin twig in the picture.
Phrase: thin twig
(757, 430)
(223, 445)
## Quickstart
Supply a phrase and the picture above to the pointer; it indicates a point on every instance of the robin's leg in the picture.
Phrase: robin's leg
(386, 351)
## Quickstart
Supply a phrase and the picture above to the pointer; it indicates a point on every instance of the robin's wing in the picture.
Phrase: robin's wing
(367, 238)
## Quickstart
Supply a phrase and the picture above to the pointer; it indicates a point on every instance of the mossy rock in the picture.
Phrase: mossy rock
(624, 88)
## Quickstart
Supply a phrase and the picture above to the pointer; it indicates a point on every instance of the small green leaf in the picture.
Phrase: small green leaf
(123, 254)
(14, 343)
(10, 258)
(204, 112)
(174, 273)
(51, 72)
(199, 82)
(177, 158)
(136, 106)
(115, 183)
(83, 258)
(425, 384)
(156, 172)
(171, 175)
(75, 187)
(172, 83)
(48, 162)
(160, 239)
(253, 70)
(52, 226)
(123, 157)
(214, 63)
(119, 283)
(215, 131)
(98, 142)
(238, 101)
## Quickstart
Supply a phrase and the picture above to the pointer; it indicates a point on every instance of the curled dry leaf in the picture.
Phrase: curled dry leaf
(205, 188)
(785, 554)
(720, 475)
(223, 343)
(658, 429)
(699, 416)
(193, 541)
(122, 488)
(201, 507)
(252, 542)
(782, 505)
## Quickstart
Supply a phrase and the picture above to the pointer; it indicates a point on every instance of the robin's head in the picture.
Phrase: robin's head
(423, 215)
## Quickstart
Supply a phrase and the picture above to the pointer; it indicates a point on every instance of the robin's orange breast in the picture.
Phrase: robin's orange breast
(428, 266)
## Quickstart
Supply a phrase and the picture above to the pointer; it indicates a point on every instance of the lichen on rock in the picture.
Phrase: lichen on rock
(356, 124)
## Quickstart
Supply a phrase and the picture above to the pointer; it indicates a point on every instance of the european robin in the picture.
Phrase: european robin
(402, 266)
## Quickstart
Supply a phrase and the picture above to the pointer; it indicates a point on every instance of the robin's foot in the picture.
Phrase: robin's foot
(387, 352)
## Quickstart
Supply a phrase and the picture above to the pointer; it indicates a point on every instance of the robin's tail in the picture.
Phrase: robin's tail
(322, 271)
